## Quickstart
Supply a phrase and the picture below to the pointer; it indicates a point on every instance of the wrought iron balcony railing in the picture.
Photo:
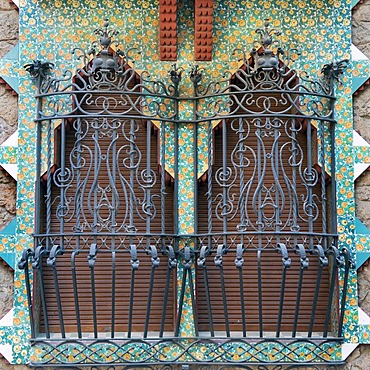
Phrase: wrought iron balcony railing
(115, 277)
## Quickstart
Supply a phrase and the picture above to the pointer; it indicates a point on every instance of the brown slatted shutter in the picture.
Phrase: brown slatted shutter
(104, 261)
(271, 262)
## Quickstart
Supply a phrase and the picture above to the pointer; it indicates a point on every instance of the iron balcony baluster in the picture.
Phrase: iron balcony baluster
(37, 265)
(155, 263)
(52, 262)
(172, 264)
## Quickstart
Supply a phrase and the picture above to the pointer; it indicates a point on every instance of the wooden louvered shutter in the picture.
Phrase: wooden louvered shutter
(271, 262)
(104, 259)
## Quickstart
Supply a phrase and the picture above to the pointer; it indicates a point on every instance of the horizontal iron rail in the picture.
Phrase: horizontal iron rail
(215, 339)
(189, 97)
(221, 352)
(189, 366)
(182, 121)
(269, 233)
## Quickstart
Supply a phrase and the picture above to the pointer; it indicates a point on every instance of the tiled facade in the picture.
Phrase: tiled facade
(49, 30)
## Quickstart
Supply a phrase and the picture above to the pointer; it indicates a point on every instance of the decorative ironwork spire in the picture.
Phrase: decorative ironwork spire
(176, 76)
(334, 69)
(39, 69)
(267, 59)
(266, 34)
(106, 59)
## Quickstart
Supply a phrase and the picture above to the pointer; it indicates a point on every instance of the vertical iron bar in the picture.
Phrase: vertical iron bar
(208, 299)
(113, 146)
(93, 296)
(209, 184)
(37, 265)
(165, 298)
(162, 138)
(314, 303)
(181, 302)
(310, 175)
(132, 174)
(330, 298)
(78, 179)
(63, 183)
(239, 261)
(93, 247)
(38, 215)
(195, 178)
(298, 301)
(193, 304)
(241, 185)
(333, 161)
(155, 263)
(242, 224)
(52, 263)
(43, 300)
(75, 291)
(260, 159)
(242, 301)
(176, 177)
(295, 227)
(38, 172)
(91, 262)
(29, 301)
(275, 164)
(113, 313)
(224, 181)
(304, 265)
(48, 186)
(23, 265)
(78, 226)
(148, 175)
(218, 262)
(260, 311)
(202, 264)
(281, 302)
(131, 306)
(323, 184)
(344, 290)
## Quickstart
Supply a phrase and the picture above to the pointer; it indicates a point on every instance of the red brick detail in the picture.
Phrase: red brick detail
(8, 87)
(362, 87)
(203, 38)
(168, 29)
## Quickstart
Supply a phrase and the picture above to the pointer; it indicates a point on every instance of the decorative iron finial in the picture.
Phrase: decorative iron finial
(267, 59)
(39, 69)
(175, 76)
(105, 35)
(107, 60)
(266, 34)
(196, 76)
(334, 69)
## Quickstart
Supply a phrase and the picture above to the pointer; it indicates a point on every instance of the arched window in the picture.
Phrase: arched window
(105, 236)
(263, 209)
